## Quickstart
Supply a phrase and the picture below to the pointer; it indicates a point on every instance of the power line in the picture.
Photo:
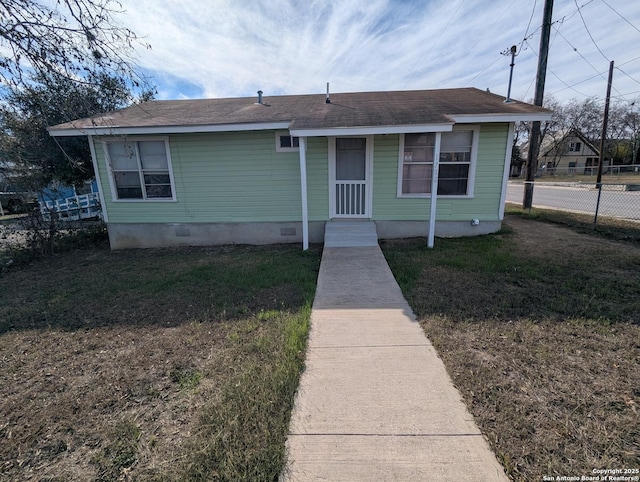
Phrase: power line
(575, 49)
(524, 39)
(588, 32)
(636, 81)
(577, 83)
(483, 71)
(566, 84)
(621, 16)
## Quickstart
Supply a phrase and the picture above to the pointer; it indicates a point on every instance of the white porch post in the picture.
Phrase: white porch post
(303, 190)
(434, 192)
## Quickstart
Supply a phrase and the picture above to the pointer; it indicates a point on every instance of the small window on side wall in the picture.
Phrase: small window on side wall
(140, 170)
(285, 142)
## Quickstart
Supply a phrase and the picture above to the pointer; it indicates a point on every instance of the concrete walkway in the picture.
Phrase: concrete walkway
(375, 402)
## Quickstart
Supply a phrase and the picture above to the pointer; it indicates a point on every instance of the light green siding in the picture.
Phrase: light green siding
(219, 177)
(239, 177)
(318, 178)
(484, 204)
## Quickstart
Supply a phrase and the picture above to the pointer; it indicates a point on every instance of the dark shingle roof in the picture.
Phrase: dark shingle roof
(311, 112)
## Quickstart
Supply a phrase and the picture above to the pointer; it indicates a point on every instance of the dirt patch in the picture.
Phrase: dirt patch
(82, 384)
(549, 241)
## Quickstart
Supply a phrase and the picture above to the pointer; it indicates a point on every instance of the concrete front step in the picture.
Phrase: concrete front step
(350, 234)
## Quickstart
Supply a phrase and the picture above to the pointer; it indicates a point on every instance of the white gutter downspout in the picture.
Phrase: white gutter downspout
(507, 171)
(94, 160)
(434, 191)
(303, 191)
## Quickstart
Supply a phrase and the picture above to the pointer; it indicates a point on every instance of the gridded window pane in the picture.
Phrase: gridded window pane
(453, 179)
(157, 185)
(424, 139)
(416, 178)
(287, 142)
(152, 155)
(156, 178)
(456, 146)
(419, 147)
(123, 156)
(158, 191)
(128, 185)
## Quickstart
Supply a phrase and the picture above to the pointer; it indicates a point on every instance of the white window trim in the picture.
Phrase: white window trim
(285, 149)
(472, 165)
(112, 183)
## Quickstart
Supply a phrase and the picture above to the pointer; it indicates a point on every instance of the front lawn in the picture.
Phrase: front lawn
(152, 365)
(539, 328)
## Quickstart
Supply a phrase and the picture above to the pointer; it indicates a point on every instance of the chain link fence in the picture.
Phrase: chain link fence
(610, 200)
(610, 173)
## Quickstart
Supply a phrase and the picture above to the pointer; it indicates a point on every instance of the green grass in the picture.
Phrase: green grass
(241, 436)
(149, 365)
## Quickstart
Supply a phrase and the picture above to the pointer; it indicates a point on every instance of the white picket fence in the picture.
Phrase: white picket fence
(84, 206)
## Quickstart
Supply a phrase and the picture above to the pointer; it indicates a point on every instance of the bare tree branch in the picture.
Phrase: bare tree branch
(72, 38)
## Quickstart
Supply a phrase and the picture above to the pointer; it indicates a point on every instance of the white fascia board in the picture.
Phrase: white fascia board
(473, 118)
(164, 130)
(366, 131)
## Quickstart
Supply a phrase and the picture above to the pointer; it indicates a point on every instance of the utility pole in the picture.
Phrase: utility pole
(513, 62)
(605, 122)
(534, 136)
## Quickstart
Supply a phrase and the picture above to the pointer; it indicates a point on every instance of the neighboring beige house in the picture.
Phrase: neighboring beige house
(572, 154)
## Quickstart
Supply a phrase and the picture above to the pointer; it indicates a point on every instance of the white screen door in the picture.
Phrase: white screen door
(351, 186)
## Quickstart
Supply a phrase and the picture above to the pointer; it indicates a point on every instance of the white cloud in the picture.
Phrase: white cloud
(222, 48)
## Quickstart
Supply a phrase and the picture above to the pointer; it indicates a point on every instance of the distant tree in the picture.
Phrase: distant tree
(49, 100)
(584, 116)
(632, 121)
(76, 39)
(548, 129)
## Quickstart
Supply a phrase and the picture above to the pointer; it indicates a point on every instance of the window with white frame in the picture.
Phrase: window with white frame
(457, 152)
(455, 162)
(140, 170)
(417, 163)
(285, 142)
(575, 146)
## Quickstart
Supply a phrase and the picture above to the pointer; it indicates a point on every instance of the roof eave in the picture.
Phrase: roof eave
(527, 117)
(158, 130)
(370, 130)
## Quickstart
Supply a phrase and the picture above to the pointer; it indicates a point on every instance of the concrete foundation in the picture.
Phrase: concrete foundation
(444, 229)
(159, 235)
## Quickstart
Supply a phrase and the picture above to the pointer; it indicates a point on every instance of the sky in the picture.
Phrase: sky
(233, 48)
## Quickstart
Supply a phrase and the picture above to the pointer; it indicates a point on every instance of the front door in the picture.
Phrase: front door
(351, 187)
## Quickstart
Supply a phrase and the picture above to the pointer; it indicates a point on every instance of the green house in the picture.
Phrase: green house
(277, 169)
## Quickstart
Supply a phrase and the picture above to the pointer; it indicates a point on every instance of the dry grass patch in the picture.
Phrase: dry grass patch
(539, 327)
(117, 365)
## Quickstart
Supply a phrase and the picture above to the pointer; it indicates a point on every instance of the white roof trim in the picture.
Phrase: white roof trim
(362, 131)
(115, 130)
(467, 118)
